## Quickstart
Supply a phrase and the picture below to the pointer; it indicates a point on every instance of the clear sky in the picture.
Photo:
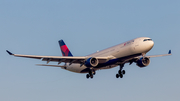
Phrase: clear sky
(34, 27)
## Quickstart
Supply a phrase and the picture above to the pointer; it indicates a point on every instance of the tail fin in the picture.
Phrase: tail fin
(64, 49)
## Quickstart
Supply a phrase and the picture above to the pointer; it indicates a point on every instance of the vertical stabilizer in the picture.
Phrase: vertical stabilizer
(64, 49)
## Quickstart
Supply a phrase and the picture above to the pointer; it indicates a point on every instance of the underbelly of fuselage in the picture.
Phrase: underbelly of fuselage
(107, 65)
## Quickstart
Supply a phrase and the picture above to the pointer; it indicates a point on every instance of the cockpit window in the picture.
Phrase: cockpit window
(147, 39)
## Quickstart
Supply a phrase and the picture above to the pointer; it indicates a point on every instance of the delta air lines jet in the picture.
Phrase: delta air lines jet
(133, 51)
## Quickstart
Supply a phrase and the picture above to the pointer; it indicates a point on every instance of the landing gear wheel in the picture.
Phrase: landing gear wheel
(121, 76)
(119, 71)
(91, 76)
(87, 76)
(123, 72)
(117, 75)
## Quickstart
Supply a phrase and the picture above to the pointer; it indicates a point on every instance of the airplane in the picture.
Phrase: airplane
(133, 51)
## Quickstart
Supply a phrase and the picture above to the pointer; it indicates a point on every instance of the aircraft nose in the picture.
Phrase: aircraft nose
(152, 44)
(149, 45)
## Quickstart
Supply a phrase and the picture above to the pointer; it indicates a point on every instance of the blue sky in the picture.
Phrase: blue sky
(35, 26)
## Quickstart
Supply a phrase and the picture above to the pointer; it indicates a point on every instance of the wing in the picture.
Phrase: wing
(169, 53)
(135, 59)
(51, 65)
(59, 59)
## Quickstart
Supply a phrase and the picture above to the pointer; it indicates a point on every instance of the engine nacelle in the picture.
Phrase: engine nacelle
(91, 62)
(143, 62)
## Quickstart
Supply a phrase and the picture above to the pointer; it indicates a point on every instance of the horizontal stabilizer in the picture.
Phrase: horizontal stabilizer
(50, 65)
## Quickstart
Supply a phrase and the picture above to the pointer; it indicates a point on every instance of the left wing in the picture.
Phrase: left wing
(169, 53)
(135, 59)
(59, 59)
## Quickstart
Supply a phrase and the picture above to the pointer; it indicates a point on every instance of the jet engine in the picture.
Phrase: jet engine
(143, 62)
(91, 62)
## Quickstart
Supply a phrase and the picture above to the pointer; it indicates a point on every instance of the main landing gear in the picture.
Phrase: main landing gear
(91, 73)
(121, 72)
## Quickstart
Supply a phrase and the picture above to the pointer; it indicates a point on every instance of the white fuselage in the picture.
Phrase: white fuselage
(129, 48)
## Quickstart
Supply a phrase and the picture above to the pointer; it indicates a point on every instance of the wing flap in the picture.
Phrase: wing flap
(50, 65)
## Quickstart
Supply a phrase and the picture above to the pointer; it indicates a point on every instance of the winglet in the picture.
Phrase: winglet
(9, 52)
(169, 52)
